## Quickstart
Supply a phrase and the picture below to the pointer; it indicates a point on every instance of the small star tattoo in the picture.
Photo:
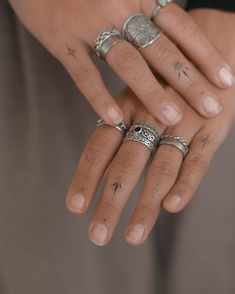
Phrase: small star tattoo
(116, 186)
(71, 52)
(181, 69)
(205, 140)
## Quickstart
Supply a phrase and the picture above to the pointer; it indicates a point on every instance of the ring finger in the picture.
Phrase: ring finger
(161, 176)
(121, 178)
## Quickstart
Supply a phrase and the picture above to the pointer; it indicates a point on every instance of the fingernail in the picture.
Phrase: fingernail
(171, 114)
(211, 105)
(115, 116)
(77, 202)
(136, 233)
(99, 234)
(173, 202)
(226, 76)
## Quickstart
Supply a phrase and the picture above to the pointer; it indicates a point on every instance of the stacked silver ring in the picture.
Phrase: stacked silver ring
(176, 141)
(160, 4)
(121, 127)
(140, 31)
(144, 134)
(106, 40)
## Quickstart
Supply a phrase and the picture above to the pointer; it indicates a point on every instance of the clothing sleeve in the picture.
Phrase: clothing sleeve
(217, 4)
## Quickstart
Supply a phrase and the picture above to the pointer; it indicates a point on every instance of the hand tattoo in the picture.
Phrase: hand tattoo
(205, 140)
(117, 186)
(181, 69)
(71, 52)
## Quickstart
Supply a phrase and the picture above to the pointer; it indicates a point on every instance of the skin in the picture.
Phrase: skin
(63, 28)
(171, 181)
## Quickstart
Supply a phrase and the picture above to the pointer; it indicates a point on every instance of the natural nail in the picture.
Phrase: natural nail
(115, 116)
(136, 233)
(226, 76)
(173, 202)
(99, 234)
(171, 114)
(211, 105)
(77, 202)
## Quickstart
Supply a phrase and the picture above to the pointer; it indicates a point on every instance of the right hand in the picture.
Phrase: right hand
(67, 28)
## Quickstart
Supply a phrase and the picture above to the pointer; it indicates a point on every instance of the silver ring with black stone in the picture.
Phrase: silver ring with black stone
(140, 31)
(144, 134)
(176, 141)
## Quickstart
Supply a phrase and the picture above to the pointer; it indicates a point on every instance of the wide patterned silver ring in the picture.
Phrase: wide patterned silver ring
(105, 41)
(160, 4)
(145, 134)
(120, 127)
(176, 141)
(140, 31)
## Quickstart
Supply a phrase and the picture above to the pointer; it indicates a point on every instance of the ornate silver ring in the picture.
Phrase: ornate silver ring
(105, 41)
(176, 141)
(160, 4)
(121, 127)
(144, 134)
(140, 31)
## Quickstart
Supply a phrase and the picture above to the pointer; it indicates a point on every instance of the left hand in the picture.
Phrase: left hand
(170, 180)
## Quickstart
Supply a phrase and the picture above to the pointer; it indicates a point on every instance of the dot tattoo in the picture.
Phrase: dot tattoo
(181, 69)
(92, 160)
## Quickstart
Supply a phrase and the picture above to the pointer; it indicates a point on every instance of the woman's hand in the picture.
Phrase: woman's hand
(67, 28)
(170, 181)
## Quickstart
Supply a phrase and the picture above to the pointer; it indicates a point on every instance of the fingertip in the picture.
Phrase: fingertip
(226, 77)
(76, 203)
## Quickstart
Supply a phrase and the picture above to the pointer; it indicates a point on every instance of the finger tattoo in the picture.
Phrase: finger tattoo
(181, 69)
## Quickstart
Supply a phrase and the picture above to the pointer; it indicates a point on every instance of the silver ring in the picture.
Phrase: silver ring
(120, 127)
(144, 134)
(105, 41)
(140, 31)
(160, 4)
(176, 141)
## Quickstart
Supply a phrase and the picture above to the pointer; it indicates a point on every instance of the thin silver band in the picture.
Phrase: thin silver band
(176, 141)
(106, 40)
(160, 4)
(121, 127)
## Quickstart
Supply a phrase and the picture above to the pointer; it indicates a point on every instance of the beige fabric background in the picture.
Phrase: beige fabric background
(44, 123)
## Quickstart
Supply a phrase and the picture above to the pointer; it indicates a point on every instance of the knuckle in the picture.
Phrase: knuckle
(146, 209)
(197, 161)
(111, 207)
(98, 146)
(127, 58)
(163, 169)
(85, 73)
(154, 95)
(185, 187)
(125, 163)
(187, 25)
(164, 50)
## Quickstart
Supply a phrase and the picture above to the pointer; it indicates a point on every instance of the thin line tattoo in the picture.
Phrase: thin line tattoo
(71, 52)
(205, 140)
(181, 69)
(117, 186)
